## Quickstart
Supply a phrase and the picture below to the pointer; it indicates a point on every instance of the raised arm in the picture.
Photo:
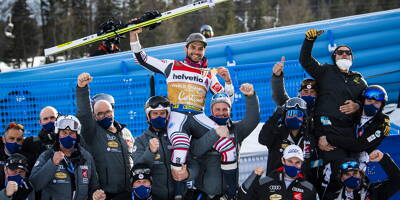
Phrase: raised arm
(312, 66)
(279, 94)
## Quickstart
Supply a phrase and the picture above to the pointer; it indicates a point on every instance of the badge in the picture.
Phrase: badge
(378, 133)
(112, 144)
(217, 87)
(158, 156)
(61, 175)
(298, 195)
(84, 173)
(275, 197)
(371, 138)
(325, 121)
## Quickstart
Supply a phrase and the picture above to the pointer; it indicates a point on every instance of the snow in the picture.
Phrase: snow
(250, 144)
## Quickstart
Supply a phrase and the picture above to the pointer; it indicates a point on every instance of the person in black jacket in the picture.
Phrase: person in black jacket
(11, 141)
(357, 186)
(339, 99)
(286, 182)
(286, 127)
(15, 177)
(33, 146)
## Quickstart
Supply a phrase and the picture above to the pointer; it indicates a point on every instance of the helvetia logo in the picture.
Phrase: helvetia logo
(189, 78)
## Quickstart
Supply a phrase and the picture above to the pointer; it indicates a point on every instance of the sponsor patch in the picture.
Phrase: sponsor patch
(61, 175)
(112, 144)
(295, 189)
(84, 173)
(298, 196)
(275, 197)
(158, 156)
(217, 87)
(371, 138)
(325, 121)
(275, 187)
(378, 133)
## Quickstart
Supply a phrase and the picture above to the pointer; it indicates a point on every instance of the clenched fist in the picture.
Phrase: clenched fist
(154, 144)
(312, 34)
(11, 188)
(58, 157)
(224, 73)
(99, 195)
(278, 67)
(375, 156)
(84, 79)
(247, 89)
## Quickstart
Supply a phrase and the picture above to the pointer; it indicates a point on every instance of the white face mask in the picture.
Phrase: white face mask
(344, 64)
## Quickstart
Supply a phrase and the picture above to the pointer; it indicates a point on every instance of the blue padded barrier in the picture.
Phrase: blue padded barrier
(21, 102)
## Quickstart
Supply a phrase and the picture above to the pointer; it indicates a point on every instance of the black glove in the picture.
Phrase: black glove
(149, 15)
(312, 34)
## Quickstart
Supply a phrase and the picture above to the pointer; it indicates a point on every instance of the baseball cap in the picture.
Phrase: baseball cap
(17, 161)
(292, 151)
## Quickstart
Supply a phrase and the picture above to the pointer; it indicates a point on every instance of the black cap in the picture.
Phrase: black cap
(196, 37)
(140, 172)
(17, 161)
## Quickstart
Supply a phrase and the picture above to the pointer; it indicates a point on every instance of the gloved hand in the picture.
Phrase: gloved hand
(312, 34)
(149, 15)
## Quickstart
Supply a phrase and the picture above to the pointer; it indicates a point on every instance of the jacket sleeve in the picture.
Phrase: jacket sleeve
(200, 146)
(94, 180)
(248, 189)
(148, 62)
(43, 171)
(84, 114)
(269, 133)
(362, 143)
(143, 153)
(391, 185)
(193, 168)
(309, 63)
(279, 94)
(250, 120)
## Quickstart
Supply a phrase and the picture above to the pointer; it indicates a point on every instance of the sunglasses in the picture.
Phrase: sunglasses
(13, 124)
(341, 52)
(371, 93)
(296, 103)
(349, 165)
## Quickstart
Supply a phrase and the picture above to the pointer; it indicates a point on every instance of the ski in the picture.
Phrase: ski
(164, 16)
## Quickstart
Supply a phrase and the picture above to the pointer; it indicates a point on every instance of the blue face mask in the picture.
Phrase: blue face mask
(293, 123)
(49, 127)
(219, 121)
(310, 100)
(159, 122)
(105, 122)
(352, 182)
(142, 192)
(68, 142)
(16, 178)
(291, 171)
(370, 110)
(13, 147)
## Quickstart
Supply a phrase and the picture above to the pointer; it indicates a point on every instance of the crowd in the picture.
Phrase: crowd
(319, 143)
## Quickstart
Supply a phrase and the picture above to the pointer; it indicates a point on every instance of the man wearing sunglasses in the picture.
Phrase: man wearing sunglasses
(357, 186)
(11, 141)
(213, 182)
(33, 146)
(287, 127)
(339, 99)
(66, 171)
(286, 182)
(104, 138)
(188, 83)
(15, 178)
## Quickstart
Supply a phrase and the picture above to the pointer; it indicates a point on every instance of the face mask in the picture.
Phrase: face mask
(16, 178)
(105, 122)
(219, 121)
(13, 147)
(370, 110)
(159, 122)
(310, 100)
(344, 64)
(49, 127)
(291, 171)
(352, 182)
(293, 123)
(142, 192)
(68, 142)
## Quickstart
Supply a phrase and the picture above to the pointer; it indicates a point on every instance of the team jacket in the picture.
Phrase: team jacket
(335, 87)
(273, 187)
(374, 191)
(187, 86)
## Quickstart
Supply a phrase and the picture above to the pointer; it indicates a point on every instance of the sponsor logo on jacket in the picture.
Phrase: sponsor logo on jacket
(188, 78)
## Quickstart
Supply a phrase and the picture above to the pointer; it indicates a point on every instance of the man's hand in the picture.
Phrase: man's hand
(154, 144)
(222, 131)
(224, 73)
(324, 145)
(349, 107)
(99, 195)
(180, 175)
(84, 79)
(375, 156)
(133, 35)
(58, 157)
(247, 89)
(259, 170)
(278, 67)
(11, 188)
(312, 34)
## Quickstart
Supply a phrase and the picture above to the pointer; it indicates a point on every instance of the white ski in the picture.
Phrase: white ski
(164, 16)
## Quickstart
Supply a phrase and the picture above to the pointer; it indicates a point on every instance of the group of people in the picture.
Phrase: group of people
(319, 142)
